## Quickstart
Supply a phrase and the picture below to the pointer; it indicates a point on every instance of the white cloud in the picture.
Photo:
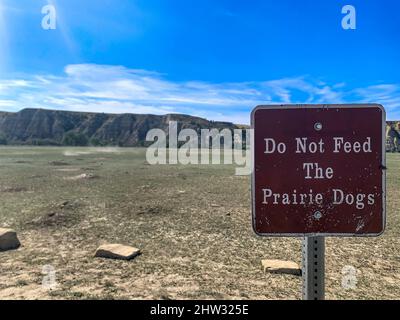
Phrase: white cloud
(386, 94)
(117, 89)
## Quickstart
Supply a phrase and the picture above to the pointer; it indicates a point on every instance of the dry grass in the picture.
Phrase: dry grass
(192, 223)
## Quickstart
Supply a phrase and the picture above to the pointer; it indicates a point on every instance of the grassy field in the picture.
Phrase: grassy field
(193, 224)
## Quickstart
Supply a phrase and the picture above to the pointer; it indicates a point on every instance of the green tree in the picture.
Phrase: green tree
(75, 139)
(3, 140)
(96, 142)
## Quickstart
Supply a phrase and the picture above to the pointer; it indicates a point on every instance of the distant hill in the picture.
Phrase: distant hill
(51, 127)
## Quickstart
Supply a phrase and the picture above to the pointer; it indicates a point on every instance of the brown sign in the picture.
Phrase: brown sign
(319, 170)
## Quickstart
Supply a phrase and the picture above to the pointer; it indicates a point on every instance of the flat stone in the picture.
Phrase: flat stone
(8, 240)
(280, 266)
(116, 251)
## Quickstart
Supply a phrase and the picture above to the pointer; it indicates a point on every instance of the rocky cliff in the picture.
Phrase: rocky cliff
(50, 127)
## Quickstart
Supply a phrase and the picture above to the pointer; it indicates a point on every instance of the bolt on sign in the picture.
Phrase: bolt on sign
(319, 170)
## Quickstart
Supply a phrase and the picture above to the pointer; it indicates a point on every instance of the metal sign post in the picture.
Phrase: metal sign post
(313, 268)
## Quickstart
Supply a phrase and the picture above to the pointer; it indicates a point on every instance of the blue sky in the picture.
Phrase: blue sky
(211, 58)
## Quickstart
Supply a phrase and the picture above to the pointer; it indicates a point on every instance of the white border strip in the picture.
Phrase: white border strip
(321, 106)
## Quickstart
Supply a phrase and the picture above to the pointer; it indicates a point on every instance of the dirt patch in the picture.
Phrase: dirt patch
(89, 169)
(76, 153)
(153, 210)
(59, 218)
(83, 176)
(13, 189)
(58, 163)
(67, 169)
(66, 214)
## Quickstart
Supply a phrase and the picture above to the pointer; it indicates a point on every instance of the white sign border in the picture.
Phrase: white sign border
(321, 106)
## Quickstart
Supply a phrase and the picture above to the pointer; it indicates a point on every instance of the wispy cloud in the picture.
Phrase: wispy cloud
(386, 94)
(117, 89)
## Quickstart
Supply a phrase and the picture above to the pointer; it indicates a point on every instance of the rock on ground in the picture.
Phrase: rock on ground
(279, 266)
(8, 240)
(116, 251)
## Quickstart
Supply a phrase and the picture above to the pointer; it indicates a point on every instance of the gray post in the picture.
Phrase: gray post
(313, 269)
